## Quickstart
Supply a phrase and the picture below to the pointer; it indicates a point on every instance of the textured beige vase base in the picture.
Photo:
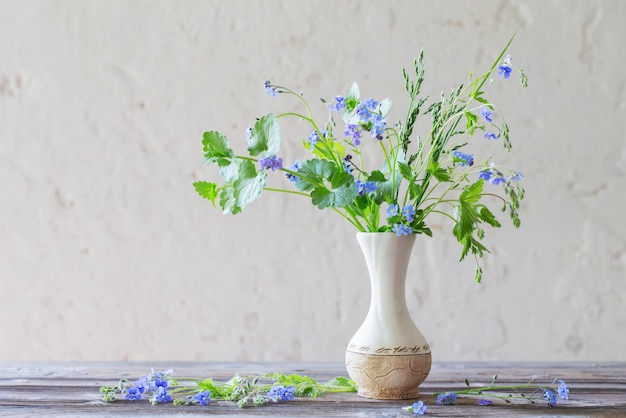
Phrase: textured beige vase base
(388, 377)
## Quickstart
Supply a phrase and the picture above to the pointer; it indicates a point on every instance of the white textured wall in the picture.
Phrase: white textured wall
(106, 252)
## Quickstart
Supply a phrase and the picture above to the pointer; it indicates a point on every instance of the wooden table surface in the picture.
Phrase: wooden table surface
(72, 389)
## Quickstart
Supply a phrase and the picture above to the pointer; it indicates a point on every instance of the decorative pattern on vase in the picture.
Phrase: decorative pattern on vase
(389, 350)
(388, 357)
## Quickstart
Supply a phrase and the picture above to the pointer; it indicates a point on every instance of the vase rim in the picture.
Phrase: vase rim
(384, 233)
(390, 237)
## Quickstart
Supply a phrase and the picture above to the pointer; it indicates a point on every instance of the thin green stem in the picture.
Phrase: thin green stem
(298, 115)
(271, 189)
(309, 119)
(351, 217)
(444, 214)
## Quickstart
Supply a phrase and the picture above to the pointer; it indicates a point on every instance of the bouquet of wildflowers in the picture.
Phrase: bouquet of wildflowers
(416, 175)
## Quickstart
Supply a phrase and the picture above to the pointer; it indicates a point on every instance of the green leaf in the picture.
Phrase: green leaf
(383, 186)
(438, 172)
(216, 391)
(327, 149)
(421, 228)
(406, 170)
(228, 202)
(377, 177)
(387, 188)
(471, 244)
(342, 381)
(352, 99)
(477, 94)
(353, 94)
(361, 203)
(472, 193)
(482, 100)
(470, 119)
(468, 214)
(342, 191)
(206, 190)
(464, 212)
(414, 190)
(464, 225)
(341, 178)
(229, 169)
(486, 215)
(313, 173)
(464, 229)
(265, 137)
(215, 146)
(322, 197)
(249, 186)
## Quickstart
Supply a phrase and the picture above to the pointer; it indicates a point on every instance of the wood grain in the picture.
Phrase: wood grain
(72, 389)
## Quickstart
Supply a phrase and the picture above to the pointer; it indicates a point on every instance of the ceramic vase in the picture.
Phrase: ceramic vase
(388, 357)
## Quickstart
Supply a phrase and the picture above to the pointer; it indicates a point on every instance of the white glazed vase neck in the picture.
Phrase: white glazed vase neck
(387, 266)
(388, 328)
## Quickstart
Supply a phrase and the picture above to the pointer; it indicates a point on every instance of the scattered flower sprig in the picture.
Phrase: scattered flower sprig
(418, 408)
(415, 176)
(258, 390)
(487, 395)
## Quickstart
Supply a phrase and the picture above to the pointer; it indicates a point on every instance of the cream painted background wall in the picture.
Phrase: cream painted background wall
(106, 252)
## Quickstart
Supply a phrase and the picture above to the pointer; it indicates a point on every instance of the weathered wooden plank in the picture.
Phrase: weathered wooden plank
(71, 389)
